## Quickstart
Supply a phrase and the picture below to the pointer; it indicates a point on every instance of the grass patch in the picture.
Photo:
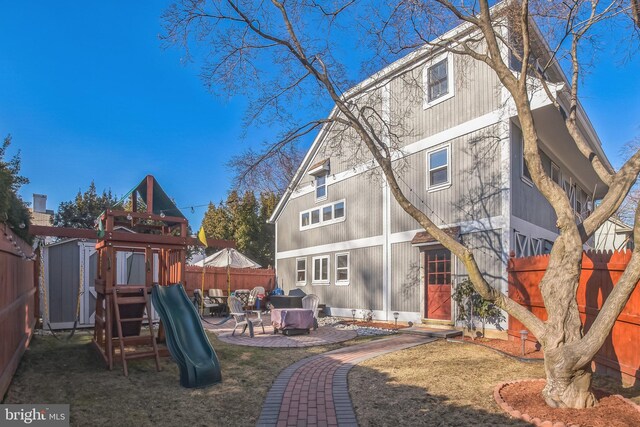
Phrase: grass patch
(72, 372)
(440, 384)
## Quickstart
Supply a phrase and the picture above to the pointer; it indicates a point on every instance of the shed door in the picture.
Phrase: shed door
(90, 259)
(438, 284)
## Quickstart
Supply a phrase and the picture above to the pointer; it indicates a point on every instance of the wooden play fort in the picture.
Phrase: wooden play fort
(160, 233)
(146, 222)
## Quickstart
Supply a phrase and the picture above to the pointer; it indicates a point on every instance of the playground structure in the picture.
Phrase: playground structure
(158, 230)
(121, 308)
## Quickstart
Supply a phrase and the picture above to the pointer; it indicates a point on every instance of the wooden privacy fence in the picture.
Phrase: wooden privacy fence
(17, 303)
(241, 278)
(620, 354)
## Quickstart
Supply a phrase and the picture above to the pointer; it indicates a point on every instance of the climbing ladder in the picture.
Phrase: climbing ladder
(123, 338)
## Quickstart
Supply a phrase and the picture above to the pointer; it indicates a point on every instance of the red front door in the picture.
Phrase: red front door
(438, 283)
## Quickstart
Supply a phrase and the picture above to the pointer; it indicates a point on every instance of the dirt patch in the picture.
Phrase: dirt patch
(380, 325)
(514, 348)
(611, 411)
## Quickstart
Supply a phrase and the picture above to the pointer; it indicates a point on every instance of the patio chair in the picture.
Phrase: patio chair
(205, 302)
(217, 296)
(310, 302)
(242, 317)
(243, 296)
(253, 296)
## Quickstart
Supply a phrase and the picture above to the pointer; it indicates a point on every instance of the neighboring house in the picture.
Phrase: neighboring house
(340, 233)
(40, 215)
(613, 235)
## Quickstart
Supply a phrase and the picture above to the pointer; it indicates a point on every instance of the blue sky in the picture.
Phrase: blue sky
(88, 93)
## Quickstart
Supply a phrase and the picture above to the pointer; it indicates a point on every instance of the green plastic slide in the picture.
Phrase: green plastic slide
(186, 339)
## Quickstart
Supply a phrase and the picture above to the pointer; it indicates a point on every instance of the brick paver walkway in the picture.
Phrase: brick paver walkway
(313, 391)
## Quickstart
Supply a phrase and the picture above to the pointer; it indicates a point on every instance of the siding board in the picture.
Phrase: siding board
(365, 286)
(405, 277)
(363, 201)
(475, 192)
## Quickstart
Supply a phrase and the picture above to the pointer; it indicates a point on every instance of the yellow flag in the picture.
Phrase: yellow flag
(202, 237)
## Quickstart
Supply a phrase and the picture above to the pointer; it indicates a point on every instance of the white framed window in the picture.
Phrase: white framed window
(438, 80)
(305, 219)
(342, 269)
(323, 215)
(321, 187)
(524, 170)
(301, 271)
(320, 273)
(438, 168)
(338, 210)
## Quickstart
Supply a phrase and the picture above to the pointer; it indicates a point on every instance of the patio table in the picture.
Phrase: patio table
(291, 319)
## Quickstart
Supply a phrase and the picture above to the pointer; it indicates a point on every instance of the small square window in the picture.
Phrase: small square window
(338, 210)
(304, 219)
(438, 167)
(327, 213)
(315, 216)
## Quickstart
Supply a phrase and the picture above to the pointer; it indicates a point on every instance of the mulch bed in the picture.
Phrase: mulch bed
(514, 348)
(523, 399)
(381, 325)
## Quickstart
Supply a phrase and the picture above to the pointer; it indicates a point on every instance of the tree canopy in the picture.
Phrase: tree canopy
(244, 219)
(13, 210)
(83, 211)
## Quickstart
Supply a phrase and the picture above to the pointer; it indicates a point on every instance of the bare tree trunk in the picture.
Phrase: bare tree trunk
(566, 387)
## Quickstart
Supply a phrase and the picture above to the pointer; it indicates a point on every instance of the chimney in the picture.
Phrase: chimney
(40, 203)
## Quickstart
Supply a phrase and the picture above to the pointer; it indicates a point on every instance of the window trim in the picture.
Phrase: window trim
(315, 188)
(298, 282)
(443, 185)
(322, 223)
(450, 79)
(313, 270)
(343, 282)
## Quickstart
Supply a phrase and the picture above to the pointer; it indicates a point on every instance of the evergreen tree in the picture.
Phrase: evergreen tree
(84, 209)
(13, 210)
(247, 227)
(268, 202)
(243, 219)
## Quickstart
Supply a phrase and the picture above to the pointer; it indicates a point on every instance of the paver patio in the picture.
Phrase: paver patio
(322, 336)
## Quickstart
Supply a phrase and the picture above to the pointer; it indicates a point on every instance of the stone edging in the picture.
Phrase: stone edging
(537, 421)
